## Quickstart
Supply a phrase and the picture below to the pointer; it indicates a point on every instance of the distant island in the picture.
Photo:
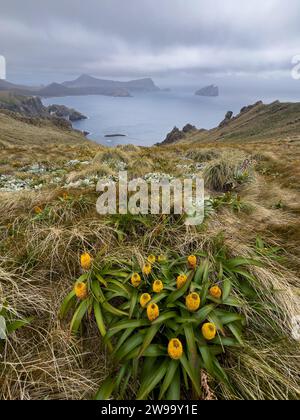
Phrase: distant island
(83, 85)
(210, 91)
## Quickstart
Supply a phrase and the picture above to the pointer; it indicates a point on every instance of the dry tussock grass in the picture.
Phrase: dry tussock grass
(40, 262)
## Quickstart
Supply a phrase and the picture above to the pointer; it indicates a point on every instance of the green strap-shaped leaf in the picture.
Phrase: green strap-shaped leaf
(148, 384)
(151, 333)
(181, 292)
(171, 373)
(173, 393)
(133, 302)
(66, 305)
(227, 287)
(16, 325)
(106, 389)
(128, 346)
(193, 375)
(203, 313)
(78, 316)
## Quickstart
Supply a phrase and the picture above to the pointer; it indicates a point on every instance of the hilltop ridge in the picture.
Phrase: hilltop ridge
(254, 122)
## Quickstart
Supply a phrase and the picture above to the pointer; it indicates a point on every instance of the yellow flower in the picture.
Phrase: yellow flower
(136, 280)
(192, 261)
(209, 331)
(193, 302)
(181, 280)
(38, 210)
(175, 349)
(152, 312)
(86, 261)
(216, 292)
(145, 299)
(147, 269)
(151, 259)
(81, 290)
(162, 259)
(158, 286)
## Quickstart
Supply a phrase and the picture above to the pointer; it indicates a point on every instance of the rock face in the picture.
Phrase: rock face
(176, 134)
(173, 136)
(189, 128)
(248, 108)
(62, 111)
(210, 91)
(227, 119)
(33, 107)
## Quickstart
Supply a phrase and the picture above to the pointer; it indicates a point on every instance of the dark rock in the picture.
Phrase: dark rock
(174, 136)
(62, 111)
(210, 91)
(248, 108)
(227, 119)
(115, 135)
(189, 128)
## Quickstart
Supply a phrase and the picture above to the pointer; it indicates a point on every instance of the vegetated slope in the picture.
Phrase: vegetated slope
(44, 232)
(258, 122)
(18, 130)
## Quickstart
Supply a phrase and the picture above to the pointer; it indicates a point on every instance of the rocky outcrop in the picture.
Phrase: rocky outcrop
(250, 107)
(62, 111)
(189, 128)
(32, 107)
(176, 134)
(210, 91)
(227, 119)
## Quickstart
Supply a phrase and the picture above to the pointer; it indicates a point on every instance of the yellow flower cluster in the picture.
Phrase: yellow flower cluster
(192, 261)
(38, 210)
(86, 261)
(216, 292)
(147, 269)
(158, 286)
(181, 281)
(145, 299)
(209, 331)
(193, 302)
(152, 312)
(175, 349)
(136, 280)
(81, 290)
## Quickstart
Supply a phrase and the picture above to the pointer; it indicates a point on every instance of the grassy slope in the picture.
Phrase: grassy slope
(40, 256)
(37, 132)
(263, 122)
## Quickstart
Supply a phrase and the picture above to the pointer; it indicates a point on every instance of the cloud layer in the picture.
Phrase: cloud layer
(136, 38)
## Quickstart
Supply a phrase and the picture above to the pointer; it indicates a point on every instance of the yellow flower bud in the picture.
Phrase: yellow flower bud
(181, 280)
(81, 290)
(145, 299)
(86, 261)
(192, 261)
(136, 280)
(151, 259)
(162, 259)
(209, 331)
(158, 286)
(193, 302)
(38, 210)
(175, 349)
(216, 292)
(152, 311)
(147, 269)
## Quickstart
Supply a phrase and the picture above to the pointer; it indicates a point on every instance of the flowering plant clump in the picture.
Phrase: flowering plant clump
(162, 333)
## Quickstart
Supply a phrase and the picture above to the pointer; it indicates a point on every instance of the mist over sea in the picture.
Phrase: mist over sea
(145, 119)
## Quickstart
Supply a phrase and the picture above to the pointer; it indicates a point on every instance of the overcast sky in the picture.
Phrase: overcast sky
(55, 39)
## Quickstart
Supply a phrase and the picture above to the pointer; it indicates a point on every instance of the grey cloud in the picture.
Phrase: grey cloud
(148, 37)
